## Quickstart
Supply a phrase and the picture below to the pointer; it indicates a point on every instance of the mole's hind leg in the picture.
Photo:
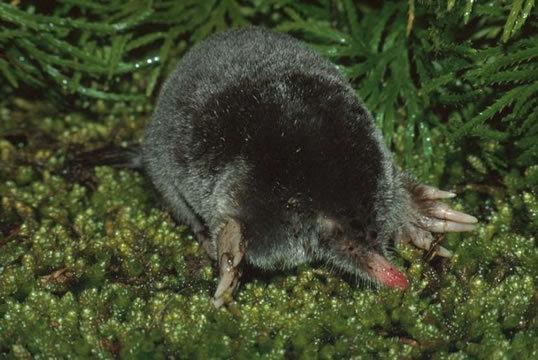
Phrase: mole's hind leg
(230, 249)
(429, 215)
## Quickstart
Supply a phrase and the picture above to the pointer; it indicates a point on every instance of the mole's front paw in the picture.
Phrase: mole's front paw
(428, 214)
(230, 253)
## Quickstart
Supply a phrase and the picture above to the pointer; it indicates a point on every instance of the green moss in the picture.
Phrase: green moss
(137, 284)
(91, 265)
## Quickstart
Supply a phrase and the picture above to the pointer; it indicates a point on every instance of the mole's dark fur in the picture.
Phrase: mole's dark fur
(256, 127)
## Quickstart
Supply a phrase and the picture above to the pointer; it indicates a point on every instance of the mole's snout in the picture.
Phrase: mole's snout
(386, 273)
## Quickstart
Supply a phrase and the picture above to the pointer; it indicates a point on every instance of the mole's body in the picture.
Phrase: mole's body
(260, 145)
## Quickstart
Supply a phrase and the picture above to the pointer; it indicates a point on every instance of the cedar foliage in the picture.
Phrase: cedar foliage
(466, 68)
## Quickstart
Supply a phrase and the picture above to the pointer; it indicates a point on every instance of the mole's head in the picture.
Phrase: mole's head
(355, 246)
(347, 227)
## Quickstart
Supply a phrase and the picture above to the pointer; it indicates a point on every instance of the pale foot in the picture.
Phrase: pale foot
(429, 215)
(230, 252)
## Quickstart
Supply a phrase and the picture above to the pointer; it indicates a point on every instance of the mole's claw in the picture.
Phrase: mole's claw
(432, 193)
(427, 215)
(421, 239)
(227, 275)
(230, 252)
(217, 302)
(444, 212)
(442, 226)
(443, 252)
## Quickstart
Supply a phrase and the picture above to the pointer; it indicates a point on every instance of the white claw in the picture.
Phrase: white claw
(444, 212)
(433, 193)
(442, 226)
(422, 239)
(443, 252)
(227, 275)
(224, 284)
(217, 302)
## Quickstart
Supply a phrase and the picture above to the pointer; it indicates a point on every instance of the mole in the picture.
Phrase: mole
(266, 152)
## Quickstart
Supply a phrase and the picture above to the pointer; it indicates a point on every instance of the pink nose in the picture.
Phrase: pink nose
(386, 273)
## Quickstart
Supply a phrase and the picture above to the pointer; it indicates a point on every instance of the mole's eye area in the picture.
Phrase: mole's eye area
(371, 235)
(330, 228)
(364, 227)
(356, 224)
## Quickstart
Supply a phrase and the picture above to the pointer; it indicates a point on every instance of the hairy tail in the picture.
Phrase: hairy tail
(121, 157)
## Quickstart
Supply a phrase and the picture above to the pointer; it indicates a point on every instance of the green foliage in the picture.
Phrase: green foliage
(91, 266)
(466, 69)
(85, 47)
(420, 70)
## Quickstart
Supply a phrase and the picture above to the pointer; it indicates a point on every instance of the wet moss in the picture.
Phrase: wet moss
(104, 271)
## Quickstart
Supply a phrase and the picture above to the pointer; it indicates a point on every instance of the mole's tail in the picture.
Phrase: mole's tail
(116, 156)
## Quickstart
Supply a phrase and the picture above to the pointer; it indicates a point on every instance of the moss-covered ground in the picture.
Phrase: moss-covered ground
(92, 265)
